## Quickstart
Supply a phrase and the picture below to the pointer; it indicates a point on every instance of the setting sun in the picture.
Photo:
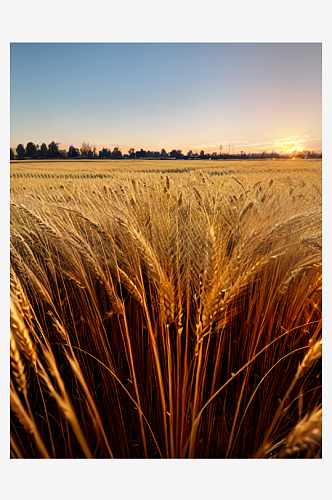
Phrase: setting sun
(291, 145)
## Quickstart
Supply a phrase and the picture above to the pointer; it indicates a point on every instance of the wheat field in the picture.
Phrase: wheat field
(166, 309)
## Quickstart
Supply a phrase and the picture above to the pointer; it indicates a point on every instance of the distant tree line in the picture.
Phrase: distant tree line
(33, 151)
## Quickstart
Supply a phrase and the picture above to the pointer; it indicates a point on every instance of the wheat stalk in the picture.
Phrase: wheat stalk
(62, 400)
(27, 421)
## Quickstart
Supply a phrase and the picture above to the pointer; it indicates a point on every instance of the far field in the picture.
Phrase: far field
(279, 168)
(302, 177)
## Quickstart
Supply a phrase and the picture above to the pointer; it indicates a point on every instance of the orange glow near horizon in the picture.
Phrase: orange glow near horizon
(295, 144)
(287, 145)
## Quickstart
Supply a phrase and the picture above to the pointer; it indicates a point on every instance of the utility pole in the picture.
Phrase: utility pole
(229, 148)
(220, 149)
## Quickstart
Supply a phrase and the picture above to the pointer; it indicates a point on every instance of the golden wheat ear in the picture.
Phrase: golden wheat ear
(17, 371)
(307, 434)
(313, 354)
(20, 335)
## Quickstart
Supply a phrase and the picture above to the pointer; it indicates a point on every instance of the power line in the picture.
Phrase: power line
(120, 145)
(229, 148)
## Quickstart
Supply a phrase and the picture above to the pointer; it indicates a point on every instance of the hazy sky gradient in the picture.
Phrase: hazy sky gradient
(257, 96)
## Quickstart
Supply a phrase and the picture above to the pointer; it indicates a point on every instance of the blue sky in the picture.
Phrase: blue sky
(257, 96)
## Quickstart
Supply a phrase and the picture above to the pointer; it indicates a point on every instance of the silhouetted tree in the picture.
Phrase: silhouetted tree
(131, 153)
(163, 152)
(105, 153)
(116, 153)
(73, 152)
(42, 151)
(176, 153)
(85, 149)
(20, 150)
(189, 154)
(141, 154)
(53, 149)
(30, 150)
(12, 154)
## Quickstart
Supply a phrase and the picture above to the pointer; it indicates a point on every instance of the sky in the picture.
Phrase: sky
(250, 97)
